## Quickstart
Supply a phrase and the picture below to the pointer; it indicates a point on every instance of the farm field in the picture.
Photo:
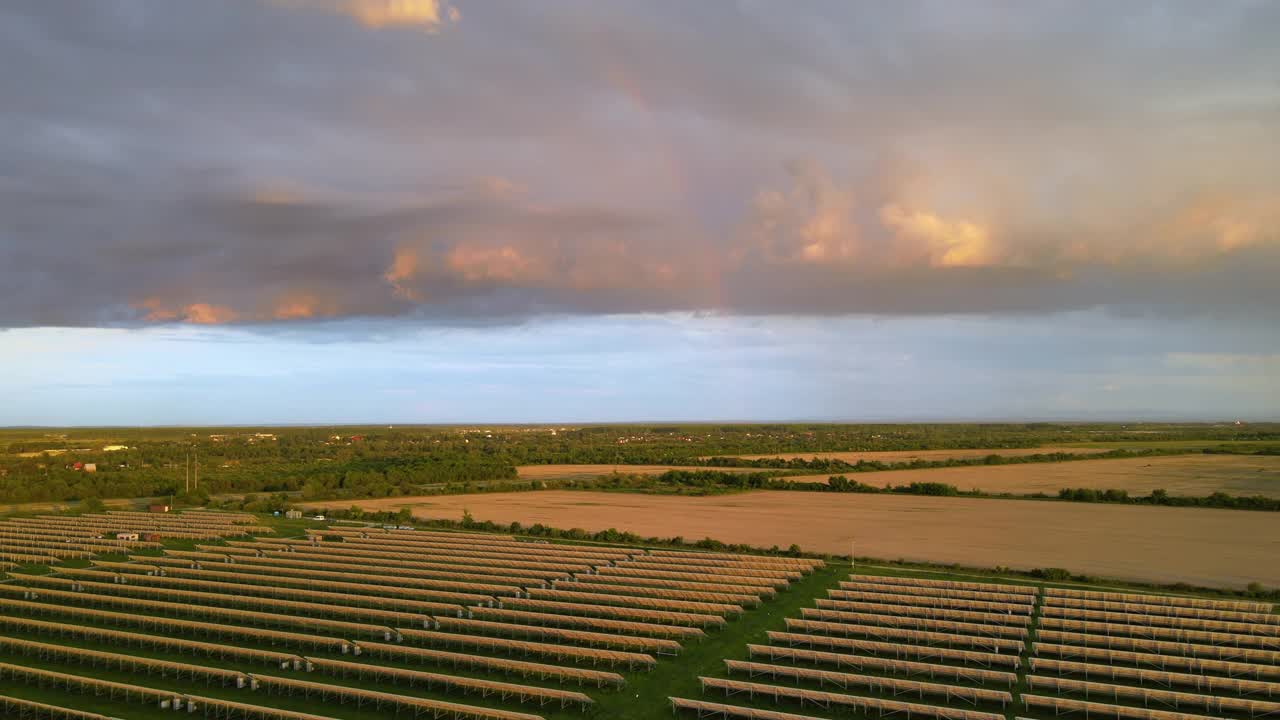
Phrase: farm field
(900, 456)
(1188, 444)
(1226, 548)
(55, 506)
(585, 472)
(1196, 475)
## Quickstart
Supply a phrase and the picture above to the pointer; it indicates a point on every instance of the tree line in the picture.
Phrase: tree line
(323, 462)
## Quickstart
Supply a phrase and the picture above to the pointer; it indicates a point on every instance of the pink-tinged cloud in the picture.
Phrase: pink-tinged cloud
(288, 306)
(938, 241)
(428, 15)
(303, 305)
(199, 313)
(207, 314)
(813, 222)
(600, 157)
(501, 265)
(818, 246)
(1224, 223)
(402, 271)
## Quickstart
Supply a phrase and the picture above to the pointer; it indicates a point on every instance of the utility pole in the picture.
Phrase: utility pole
(187, 472)
(197, 477)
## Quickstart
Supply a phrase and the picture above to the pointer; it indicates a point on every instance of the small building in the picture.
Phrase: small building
(158, 508)
(91, 467)
(151, 537)
(127, 536)
(293, 514)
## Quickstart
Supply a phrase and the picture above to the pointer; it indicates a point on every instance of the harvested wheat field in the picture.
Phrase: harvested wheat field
(1197, 475)
(901, 456)
(59, 506)
(582, 472)
(1195, 545)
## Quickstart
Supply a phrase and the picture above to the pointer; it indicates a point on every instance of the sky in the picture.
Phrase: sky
(293, 211)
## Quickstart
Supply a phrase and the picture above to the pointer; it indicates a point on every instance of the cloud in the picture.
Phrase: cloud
(1266, 365)
(429, 15)
(403, 269)
(499, 265)
(941, 242)
(158, 311)
(1225, 223)
(259, 163)
(812, 223)
(486, 251)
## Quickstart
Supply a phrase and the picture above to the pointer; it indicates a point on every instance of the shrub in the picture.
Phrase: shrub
(1054, 574)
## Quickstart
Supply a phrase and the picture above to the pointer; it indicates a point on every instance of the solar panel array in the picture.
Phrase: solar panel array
(426, 623)
(981, 651)
(93, 528)
(464, 625)
(1154, 657)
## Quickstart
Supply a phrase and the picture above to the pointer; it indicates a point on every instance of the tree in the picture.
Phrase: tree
(195, 497)
(92, 505)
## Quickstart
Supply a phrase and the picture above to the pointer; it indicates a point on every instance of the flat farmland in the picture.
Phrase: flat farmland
(583, 472)
(901, 456)
(1196, 475)
(56, 506)
(1161, 544)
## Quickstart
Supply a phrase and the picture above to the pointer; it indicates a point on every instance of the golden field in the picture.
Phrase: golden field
(1160, 544)
(1197, 475)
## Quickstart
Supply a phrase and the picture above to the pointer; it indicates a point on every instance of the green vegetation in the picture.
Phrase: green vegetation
(1160, 497)
(710, 482)
(43, 465)
(821, 465)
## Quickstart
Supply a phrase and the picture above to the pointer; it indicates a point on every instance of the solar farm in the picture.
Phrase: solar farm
(207, 614)
(956, 650)
(346, 623)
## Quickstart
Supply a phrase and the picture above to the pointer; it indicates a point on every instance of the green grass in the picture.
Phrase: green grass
(645, 696)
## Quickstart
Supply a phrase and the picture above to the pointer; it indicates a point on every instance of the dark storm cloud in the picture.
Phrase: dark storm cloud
(257, 161)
